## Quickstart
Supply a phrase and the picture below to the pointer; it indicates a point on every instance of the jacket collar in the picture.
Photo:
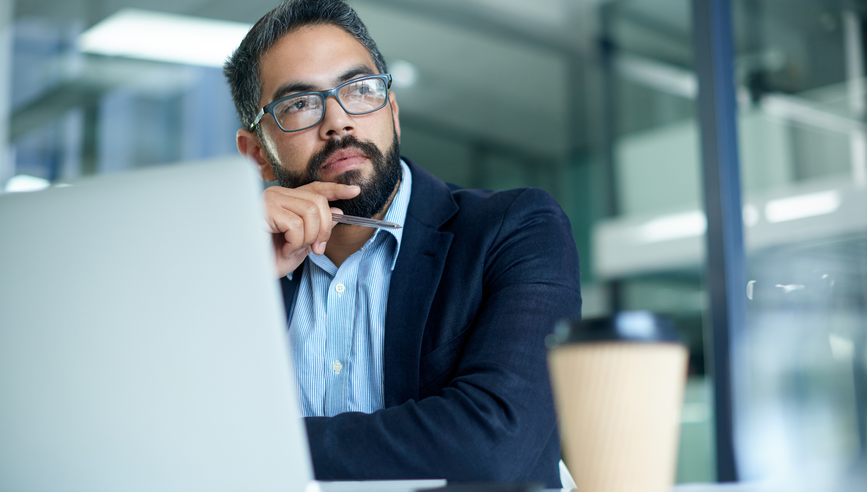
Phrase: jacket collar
(431, 203)
(414, 283)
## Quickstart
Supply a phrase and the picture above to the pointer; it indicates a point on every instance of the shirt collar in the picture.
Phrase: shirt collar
(396, 212)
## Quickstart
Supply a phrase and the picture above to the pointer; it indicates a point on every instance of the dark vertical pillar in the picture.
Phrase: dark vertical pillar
(90, 138)
(859, 362)
(726, 277)
(754, 31)
(573, 174)
(609, 133)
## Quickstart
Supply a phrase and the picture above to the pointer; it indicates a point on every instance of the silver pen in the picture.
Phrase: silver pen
(353, 220)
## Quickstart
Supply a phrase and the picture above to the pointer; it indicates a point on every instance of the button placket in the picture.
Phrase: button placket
(341, 317)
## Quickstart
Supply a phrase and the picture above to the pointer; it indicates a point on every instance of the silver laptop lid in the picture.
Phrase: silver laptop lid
(142, 338)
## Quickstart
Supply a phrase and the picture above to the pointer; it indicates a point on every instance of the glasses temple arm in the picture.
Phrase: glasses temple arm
(258, 117)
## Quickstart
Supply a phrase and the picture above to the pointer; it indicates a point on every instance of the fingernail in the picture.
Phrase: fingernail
(320, 248)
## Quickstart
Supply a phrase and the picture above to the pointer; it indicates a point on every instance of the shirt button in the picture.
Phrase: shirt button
(337, 366)
(340, 288)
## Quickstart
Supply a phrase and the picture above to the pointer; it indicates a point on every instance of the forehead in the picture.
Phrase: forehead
(316, 55)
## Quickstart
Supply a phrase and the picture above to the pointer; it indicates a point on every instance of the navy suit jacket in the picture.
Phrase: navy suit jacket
(480, 280)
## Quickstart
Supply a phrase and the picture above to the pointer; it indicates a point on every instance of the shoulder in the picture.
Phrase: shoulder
(479, 209)
(504, 213)
(500, 238)
(514, 201)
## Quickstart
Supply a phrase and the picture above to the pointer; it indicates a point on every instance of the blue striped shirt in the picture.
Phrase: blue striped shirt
(338, 323)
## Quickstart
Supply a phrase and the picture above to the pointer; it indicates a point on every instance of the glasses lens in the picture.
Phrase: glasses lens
(363, 96)
(299, 112)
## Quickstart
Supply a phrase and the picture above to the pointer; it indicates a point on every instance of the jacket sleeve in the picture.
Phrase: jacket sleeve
(494, 420)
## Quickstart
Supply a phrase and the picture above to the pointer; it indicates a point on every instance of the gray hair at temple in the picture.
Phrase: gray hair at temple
(242, 68)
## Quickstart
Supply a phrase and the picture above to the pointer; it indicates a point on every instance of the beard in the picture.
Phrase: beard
(375, 190)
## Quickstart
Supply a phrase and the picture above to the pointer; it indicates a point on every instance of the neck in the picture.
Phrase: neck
(346, 239)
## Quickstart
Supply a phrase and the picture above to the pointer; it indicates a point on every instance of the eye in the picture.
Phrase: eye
(364, 88)
(299, 105)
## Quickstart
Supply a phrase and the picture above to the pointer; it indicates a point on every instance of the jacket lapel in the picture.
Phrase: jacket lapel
(414, 283)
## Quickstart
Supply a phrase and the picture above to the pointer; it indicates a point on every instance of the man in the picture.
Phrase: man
(420, 351)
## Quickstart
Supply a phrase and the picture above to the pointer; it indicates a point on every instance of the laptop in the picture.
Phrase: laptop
(143, 339)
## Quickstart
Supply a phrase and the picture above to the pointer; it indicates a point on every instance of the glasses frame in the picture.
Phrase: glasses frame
(324, 95)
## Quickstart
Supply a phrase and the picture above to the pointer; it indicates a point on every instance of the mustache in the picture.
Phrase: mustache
(319, 159)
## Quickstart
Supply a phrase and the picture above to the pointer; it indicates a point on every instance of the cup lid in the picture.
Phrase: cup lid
(628, 326)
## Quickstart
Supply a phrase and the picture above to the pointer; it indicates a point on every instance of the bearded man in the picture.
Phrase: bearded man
(419, 351)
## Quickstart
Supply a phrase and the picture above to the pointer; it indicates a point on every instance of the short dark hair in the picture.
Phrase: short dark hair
(242, 68)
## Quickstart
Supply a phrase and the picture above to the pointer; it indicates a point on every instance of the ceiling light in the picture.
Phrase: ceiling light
(656, 75)
(403, 73)
(157, 36)
(23, 182)
(750, 215)
(802, 206)
(674, 226)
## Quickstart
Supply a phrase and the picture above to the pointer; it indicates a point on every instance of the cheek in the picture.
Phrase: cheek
(385, 131)
(294, 153)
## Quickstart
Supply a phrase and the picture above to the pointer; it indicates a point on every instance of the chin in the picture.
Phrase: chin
(352, 177)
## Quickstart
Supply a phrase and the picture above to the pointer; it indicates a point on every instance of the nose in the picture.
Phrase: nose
(336, 123)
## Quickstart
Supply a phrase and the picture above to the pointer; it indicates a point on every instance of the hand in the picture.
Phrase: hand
(299, 220)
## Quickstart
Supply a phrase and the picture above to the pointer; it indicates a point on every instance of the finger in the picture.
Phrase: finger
(325, 229)
(331, 191)
(293, 237)
(325, 225)
(324, 212)
(286, 265)
(294, 254)
(306, 213)
(310, 211)
(317, 212)
(285, 205)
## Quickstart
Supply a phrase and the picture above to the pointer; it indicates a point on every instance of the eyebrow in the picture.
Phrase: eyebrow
(292, 87)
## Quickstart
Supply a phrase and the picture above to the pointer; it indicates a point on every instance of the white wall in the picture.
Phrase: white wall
(659, 170)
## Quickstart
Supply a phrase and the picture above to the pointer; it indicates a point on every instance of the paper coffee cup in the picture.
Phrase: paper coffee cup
(618, 386)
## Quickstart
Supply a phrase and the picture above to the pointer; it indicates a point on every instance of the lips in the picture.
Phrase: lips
(343, 160)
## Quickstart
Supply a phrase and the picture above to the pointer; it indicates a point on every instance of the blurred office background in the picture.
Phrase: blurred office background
(591, 100)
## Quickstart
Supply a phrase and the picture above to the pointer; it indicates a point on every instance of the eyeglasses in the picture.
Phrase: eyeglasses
(307, 109)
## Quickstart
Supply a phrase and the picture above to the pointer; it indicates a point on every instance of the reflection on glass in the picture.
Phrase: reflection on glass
(799, 366)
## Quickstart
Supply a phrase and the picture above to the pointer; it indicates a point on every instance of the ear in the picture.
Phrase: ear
(395, 112)
(250, 147)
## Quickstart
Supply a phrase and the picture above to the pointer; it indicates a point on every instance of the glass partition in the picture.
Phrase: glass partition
(800, 372)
